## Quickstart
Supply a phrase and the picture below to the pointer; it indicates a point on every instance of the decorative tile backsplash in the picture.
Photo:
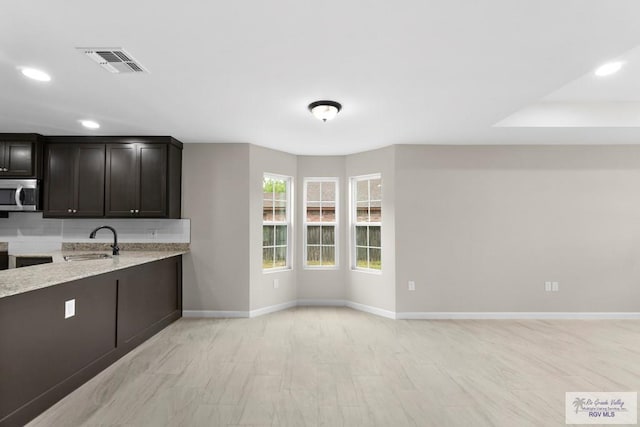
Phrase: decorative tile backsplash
(28, 232)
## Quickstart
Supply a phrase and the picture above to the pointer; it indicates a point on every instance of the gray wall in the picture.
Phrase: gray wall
(323, 285)
(215, 185)
(482, 228)
(263, 293)
(477, 228)
(377, 289)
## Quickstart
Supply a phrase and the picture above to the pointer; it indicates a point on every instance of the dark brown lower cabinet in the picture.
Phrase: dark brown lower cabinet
(141, 301)
(44, 356)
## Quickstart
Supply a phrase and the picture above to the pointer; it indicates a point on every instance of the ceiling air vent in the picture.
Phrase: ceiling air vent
(114, 60)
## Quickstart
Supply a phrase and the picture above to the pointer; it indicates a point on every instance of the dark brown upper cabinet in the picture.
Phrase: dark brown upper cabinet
(21, 155)
(143, 179)
(112, 176)
(74, 180)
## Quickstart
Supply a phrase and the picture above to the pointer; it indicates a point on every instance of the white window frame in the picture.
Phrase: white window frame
(335, 224)
(353, 222)
(289, 214)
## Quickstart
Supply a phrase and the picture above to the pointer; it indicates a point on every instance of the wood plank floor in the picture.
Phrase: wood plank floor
(340, 367)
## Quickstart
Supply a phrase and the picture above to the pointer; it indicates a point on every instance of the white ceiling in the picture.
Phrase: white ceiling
(406, 72)
(588, 101)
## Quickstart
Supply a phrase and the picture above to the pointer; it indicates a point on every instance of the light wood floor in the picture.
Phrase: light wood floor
(339, 367)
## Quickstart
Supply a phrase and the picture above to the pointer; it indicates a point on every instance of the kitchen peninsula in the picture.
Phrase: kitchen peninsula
(62, 323)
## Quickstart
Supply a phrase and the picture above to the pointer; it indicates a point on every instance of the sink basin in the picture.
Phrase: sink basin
(85, 257)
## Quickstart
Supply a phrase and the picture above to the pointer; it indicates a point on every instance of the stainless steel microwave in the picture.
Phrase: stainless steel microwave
(19, 195)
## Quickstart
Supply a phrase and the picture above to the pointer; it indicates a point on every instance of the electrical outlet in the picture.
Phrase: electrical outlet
(554, 287)
(547, 286)
(69, 308)
(276, 283)
(412, 285)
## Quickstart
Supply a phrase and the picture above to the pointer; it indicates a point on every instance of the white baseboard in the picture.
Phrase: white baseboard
(272, 308)
(373, 310)
(214, 313)
(322, 302)
(442, 315)
(456, 315)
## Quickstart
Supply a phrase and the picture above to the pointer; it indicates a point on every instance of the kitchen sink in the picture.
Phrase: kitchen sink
(85, 257)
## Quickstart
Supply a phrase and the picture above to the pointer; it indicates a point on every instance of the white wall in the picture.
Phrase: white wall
(215, 186)
(262, 291)
(28, 232)
(326, 286)
(376, 289)
(480, 229)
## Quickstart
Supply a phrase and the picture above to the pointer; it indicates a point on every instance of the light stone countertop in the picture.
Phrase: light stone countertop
(19, 280)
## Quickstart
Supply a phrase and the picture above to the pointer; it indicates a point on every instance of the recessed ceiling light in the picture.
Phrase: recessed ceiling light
(90, 124)
(325, 110)
(35, 74)
(609, 68)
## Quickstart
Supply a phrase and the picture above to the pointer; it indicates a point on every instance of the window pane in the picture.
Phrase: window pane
(280, 213)
(376, 189)
(375, 258)
(277, 187)
(313, 191)
(328, 235)
(281, 257)
(281, 235)
(328, 212)
(376, 211)
(281, 196)
(362, 190)
(374, 237)
(267, 257)
(313, 255)
(361, 236)
(362, 212)
(267, 187)
(313, 235)
(361, 257)
(313, 211)
(328, 191)
(267, 210)
(267, 235)
(328, 255)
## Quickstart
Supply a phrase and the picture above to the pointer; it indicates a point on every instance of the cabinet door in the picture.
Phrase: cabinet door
(59, 188)
(152, 191)
(18, 159)
(121, 180)
(39, 348)
(89, 178)
(147, 294)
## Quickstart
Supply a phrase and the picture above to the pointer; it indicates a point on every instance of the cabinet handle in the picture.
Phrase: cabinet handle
(131, 211)
(137, 210)
(69, 210)
(75, 210)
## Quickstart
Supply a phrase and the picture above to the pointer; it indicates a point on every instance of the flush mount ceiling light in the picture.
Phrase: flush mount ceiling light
(35, 74)
(90, 124)
(609, 68)
(325, 110)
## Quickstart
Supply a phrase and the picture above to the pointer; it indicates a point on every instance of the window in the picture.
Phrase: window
(320, 222)
(276, 224)
(366, 220)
